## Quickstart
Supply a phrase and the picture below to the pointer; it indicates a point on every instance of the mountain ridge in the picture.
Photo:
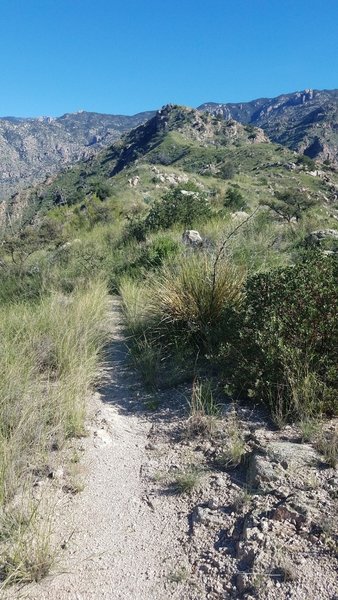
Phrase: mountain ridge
(180, 145)
(305, 121)
(34, 149)
(31, 149)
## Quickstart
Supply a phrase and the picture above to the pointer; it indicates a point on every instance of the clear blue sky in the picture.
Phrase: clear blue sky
(126, 56)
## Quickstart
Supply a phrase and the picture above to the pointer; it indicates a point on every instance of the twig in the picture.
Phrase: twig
(221, 250)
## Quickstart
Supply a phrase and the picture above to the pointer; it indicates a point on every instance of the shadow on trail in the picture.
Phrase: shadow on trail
(121, 386)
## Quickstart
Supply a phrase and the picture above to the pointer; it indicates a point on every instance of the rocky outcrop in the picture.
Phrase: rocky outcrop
(315, 237)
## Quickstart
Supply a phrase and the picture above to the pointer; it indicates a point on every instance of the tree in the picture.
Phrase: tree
(101, 189)
(290, 204)
(49, 234)
(227, 170)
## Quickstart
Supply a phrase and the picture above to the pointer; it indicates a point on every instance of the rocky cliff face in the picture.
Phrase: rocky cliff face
(304, 121)
(33, 149)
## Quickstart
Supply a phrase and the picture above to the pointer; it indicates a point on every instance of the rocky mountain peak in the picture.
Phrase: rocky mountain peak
(305, 121)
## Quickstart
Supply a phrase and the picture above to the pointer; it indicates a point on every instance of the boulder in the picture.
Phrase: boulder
(292, 455)
(134, 181)
(316, 237)
(192, 238)
(280, 459)
(261, 471)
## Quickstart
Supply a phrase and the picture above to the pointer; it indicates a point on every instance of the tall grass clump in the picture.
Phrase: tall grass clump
(49, 353)
(193, 301)
(135, 302)
(203, 409)
(180, 314)
(27, 548)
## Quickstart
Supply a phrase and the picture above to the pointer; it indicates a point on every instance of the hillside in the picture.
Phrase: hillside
(33, 149)
(304, 121)
(180, 144)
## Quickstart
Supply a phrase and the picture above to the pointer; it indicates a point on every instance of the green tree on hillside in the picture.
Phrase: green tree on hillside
(290, 204)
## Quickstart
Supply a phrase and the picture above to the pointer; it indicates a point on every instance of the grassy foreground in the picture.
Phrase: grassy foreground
(49, 353)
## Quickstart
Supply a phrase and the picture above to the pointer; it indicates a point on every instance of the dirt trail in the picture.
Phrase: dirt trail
(122, 548)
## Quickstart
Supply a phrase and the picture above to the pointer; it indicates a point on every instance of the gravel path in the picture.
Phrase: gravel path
(122, 548)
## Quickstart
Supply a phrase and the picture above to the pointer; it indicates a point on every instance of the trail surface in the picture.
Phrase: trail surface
(122, 548)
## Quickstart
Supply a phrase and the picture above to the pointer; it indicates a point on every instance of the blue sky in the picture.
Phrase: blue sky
(126, 56)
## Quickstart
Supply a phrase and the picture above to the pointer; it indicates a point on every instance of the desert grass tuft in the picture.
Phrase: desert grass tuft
(186, 481)
(203, 409)
(28, 550)
(233, 451)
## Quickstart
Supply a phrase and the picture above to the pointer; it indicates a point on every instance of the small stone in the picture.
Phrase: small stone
(213, 504)
(57, 474)
(150, 446)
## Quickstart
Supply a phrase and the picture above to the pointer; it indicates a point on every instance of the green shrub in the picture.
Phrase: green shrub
(19, 246)
(234, 199)
(160, 250)
(183, 205)
(136, 260)
(306, 162)
(290, 204)
(91, 212)
(286, 352)
(17, 284)
(227, 170)
(101, 189)
(136, 229)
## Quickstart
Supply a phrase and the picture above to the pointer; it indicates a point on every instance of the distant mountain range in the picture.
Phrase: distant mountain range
(33, 150)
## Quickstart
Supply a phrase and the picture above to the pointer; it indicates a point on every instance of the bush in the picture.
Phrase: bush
(21, 245)
(136, 229)
(306, 162)
(159, 251)
(184, 205)
(101, 189)
(290, 204)
(92, 212)
(234, 199)
(227, 170)
(287, 346)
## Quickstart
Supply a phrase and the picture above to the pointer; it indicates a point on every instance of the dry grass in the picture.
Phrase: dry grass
(186, 481)
(327, 444)
(49, 353)
(186, 294)
(234, 448)
(203, 409)
(28, 550)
